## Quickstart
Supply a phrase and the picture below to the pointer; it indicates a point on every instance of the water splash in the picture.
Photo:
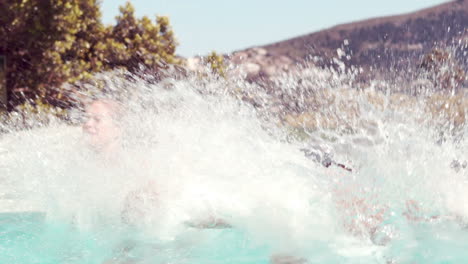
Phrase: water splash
(231, 151)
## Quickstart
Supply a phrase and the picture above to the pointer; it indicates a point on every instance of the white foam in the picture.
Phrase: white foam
(210, 155)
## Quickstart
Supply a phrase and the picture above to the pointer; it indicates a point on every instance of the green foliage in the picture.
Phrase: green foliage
(217, 64)
(51, 42)
(133, 41)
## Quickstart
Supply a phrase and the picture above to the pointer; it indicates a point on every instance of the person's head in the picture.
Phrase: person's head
(101, 124)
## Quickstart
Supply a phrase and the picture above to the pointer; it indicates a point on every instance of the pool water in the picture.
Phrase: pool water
(28, 238)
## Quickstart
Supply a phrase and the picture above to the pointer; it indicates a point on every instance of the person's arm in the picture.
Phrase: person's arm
(138, 204)
(286, 259)
(414, 213)
(209, 222)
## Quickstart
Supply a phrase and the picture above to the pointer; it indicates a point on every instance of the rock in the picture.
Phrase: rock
(250, 68)
(260, 51)
(193, 63)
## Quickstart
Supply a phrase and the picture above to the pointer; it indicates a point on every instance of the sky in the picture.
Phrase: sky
(202, 26)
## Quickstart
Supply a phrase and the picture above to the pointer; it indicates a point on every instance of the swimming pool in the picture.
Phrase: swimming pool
(28, 238)
(216, 153)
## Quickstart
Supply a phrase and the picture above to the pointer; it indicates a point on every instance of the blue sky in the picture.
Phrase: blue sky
(225, 26)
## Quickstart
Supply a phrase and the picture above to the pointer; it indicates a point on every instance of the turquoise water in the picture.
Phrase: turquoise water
(27, 238)
(440, 241)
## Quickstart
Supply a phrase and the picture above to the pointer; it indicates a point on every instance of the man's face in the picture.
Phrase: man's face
(100, 125)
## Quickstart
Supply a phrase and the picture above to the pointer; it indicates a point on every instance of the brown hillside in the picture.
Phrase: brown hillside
(393, 41)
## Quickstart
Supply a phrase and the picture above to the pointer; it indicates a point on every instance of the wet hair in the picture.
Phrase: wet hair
(115, 107)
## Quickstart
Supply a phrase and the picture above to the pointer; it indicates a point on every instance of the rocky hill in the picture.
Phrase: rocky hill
(393, 41)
